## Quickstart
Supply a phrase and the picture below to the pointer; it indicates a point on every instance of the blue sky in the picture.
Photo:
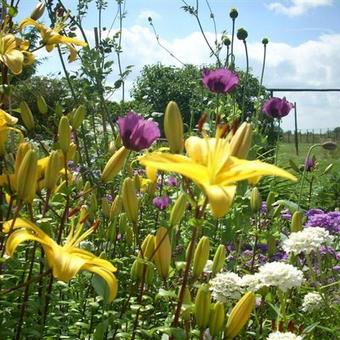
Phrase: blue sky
(303, 51)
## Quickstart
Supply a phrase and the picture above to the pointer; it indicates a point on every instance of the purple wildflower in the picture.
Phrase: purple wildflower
(329, 221)
(220, 80)
(286, 215)
(161, 202)
(109, 198)
(171, 181)
(136, 132)
(264, 208)
(309, 164)
(314, 211)
(277, 107)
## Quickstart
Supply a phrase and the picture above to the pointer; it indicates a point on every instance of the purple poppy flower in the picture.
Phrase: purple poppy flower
(136, 132)
(309, 164)
(277, 107)
(220, 80)
(161, 202)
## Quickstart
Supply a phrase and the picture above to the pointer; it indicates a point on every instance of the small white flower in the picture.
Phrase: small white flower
(307, 240)
(225, 286)
(251, 282)
(281, 275)
(311, 301)
(208, 266)
(283, 336)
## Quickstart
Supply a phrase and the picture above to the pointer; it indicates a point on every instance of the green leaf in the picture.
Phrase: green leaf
(162, 293)
(100, 287)
(101, 328)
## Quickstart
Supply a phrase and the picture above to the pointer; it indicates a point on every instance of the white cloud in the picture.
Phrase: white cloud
(298, 7)
(146, 13)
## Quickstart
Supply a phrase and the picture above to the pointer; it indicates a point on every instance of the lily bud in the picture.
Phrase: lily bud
(162, 256)
(52, 170)
(255, 200)
(42, 106)
(241, 141)
(26, 115)
(78, 117)
(216, 321)
(219, 259)
(27, 177)
(186, 301)
(240, 315)
(202, 306)
(122, 225)
(270, 200)
(130, 200)
(173, 127)
(296, 222)
(201, 256)
(21, 152)
(115, 164)
(271, 243)
(178, 210)
(71, 152)
(129, 236)
(148, 246)
(38, 11)
(64, 134)
(106, 207)
(116, 207)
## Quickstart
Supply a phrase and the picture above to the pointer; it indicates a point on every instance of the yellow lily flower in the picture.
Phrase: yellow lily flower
(208, 163)
(13, 52)
(66, 260)
(51, 37)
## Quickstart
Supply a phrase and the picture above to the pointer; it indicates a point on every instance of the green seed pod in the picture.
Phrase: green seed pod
(178, 209)
(296, 222)
(64, 134)
(265, 41)
(233, 13)
(216, 321)
(201, 256)
(255, 200)
(202, 306)
(219, 259)
(130, 200)
(242, 34)
(173, 127)
(270, 200)
(27, 116)
(27, 177)
(42, 106)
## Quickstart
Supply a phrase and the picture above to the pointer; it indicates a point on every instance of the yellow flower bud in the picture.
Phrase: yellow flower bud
(219, 259)
(271, 243)
(255, 200)
(26, 115)
(115, 164)
(162, 256)
(201, 256)
(239, 315)
(202, 306)
(178, 210)
(21, 152)
(270, 200)
(27, 177)
(64, 134)
(78, 117)
(297, 221)
(112, 232)
(216, 321)
(71, 152)
(129, 236)
(38, 11)
(148, 246)
(136, 179)
(186, 303)
(173, 127)
(42, 106)
(122, 223)
(52, 170)
(241, 141)
(106, 207)
(116, 207)
(130, 200)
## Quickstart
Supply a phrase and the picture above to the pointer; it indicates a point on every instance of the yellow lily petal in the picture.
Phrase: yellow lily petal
(28, 22)
(220, 198)
(6, 118)
(151, 173)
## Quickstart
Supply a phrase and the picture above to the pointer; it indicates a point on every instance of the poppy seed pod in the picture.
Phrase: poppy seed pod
(173, 127)
(219, 259)
(255, 200)
(130, 200)
(115, 164)
(42, 106)
(241, 141)
(162, 256)
(201, 256)
(178, 210)
(233, 13)
(242, 34)
(64, 134)
(239, 315)
(296, 222)
(78, 117)
(216, 321)
(38, 11)
(26, 115)
(27, 177)
(226, 41)
(330, 146)
(202, 306)
(265, 41)
(52, 170)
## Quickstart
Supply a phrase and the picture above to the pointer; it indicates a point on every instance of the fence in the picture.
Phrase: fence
(312, 136)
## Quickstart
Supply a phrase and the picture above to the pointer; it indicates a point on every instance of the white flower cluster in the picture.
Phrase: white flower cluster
(311, 301)
(283, 336)
(277, 274)
(307, 240)
(225, 286)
